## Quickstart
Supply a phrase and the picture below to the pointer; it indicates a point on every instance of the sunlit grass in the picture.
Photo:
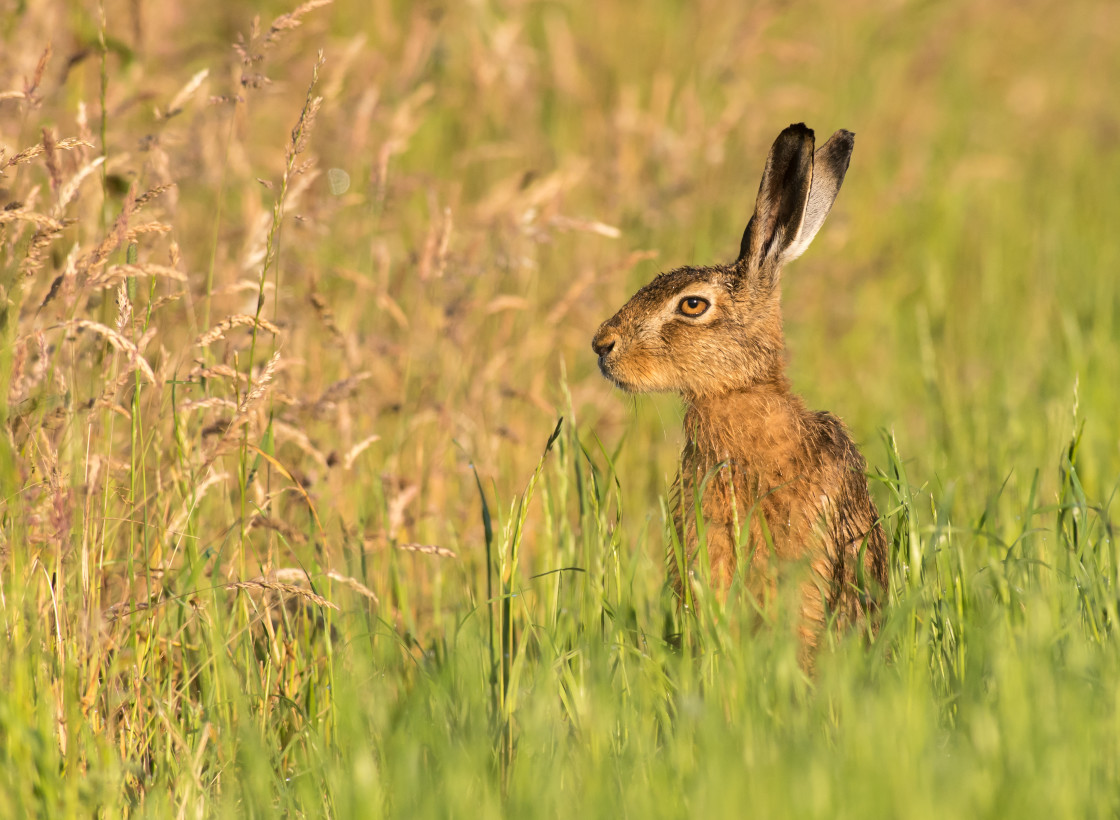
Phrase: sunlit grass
(282, 343)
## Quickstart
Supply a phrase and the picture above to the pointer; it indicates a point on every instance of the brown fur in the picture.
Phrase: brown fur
(781, 488)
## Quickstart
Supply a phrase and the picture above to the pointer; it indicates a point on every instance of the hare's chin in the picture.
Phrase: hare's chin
(613, 378)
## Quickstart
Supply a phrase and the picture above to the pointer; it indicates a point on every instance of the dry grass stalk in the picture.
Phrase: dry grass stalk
(287, 589)
(326, 315)
(125, 608)
(286, 431)
(82, 120)
(65, 283)
(291, 20)
(136, 359)
(109, 393)
(355, 451)
(282, 397)
(106, 400)
(134, 234)
(380, 540)
(30, 87)
(342, 389)
(262, 251)
(41, 221)
(428, 549)
(113, 388)
(179, 100)
(124, 308)
(290, 533)
(217, 371)
(245, 286)
(111, 277)
(167, 300)
(406, 121)
(54, 172)
(68, 191)
(567, 223)
(220, 330)
(28, 154)
(444, 242)
(507, 302)
(289, 575)
(17, 380)
(256, 393)
(37, 250)
(206, 404)
(241, 416)
(152, 193)
(355, 585)
(191, 502)
(295, 575)
(398, 505)
(302, 131)
(116, 236)
(433, 259)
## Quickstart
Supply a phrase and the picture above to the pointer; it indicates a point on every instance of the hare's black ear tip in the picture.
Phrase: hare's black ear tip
(842, 143)
(799, 129)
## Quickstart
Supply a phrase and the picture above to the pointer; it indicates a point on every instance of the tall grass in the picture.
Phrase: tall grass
(292, 310)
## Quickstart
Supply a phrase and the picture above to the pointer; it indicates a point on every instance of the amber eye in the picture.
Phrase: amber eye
(693, 305)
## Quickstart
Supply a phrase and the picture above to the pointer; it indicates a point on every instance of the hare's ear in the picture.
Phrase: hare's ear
(830, 163)
(796, 194)
(783, 193)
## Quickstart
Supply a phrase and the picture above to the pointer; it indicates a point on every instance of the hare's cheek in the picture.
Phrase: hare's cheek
(676, 335)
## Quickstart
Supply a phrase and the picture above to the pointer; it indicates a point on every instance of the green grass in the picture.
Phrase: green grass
(319, 560)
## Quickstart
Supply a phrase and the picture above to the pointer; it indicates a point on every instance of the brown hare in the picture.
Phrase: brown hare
(782, 488)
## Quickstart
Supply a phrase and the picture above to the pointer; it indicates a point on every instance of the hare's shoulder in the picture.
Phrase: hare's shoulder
(830, 438)
(849, 513)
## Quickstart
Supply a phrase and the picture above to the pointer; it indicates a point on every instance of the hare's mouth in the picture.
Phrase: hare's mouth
(610, 375)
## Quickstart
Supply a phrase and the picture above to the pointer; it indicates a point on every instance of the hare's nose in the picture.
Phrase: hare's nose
(604, 342)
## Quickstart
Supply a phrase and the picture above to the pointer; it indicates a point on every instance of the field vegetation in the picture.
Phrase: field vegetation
(313, 502)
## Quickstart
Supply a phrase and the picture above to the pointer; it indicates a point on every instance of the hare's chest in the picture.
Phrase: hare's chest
(742, 492)
(728, 487)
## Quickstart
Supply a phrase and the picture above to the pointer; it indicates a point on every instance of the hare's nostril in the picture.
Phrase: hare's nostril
(603, 343)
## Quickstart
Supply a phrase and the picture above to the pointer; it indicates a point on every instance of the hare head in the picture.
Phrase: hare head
(707, 331)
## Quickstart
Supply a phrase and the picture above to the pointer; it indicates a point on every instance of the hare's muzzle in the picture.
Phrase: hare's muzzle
(604, 342)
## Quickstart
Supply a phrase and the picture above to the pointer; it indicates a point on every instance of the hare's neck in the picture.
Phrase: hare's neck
(764, 423)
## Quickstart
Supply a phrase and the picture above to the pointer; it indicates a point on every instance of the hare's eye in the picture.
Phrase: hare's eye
(693, 305)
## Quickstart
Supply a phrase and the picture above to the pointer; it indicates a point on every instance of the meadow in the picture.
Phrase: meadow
(313, 502)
